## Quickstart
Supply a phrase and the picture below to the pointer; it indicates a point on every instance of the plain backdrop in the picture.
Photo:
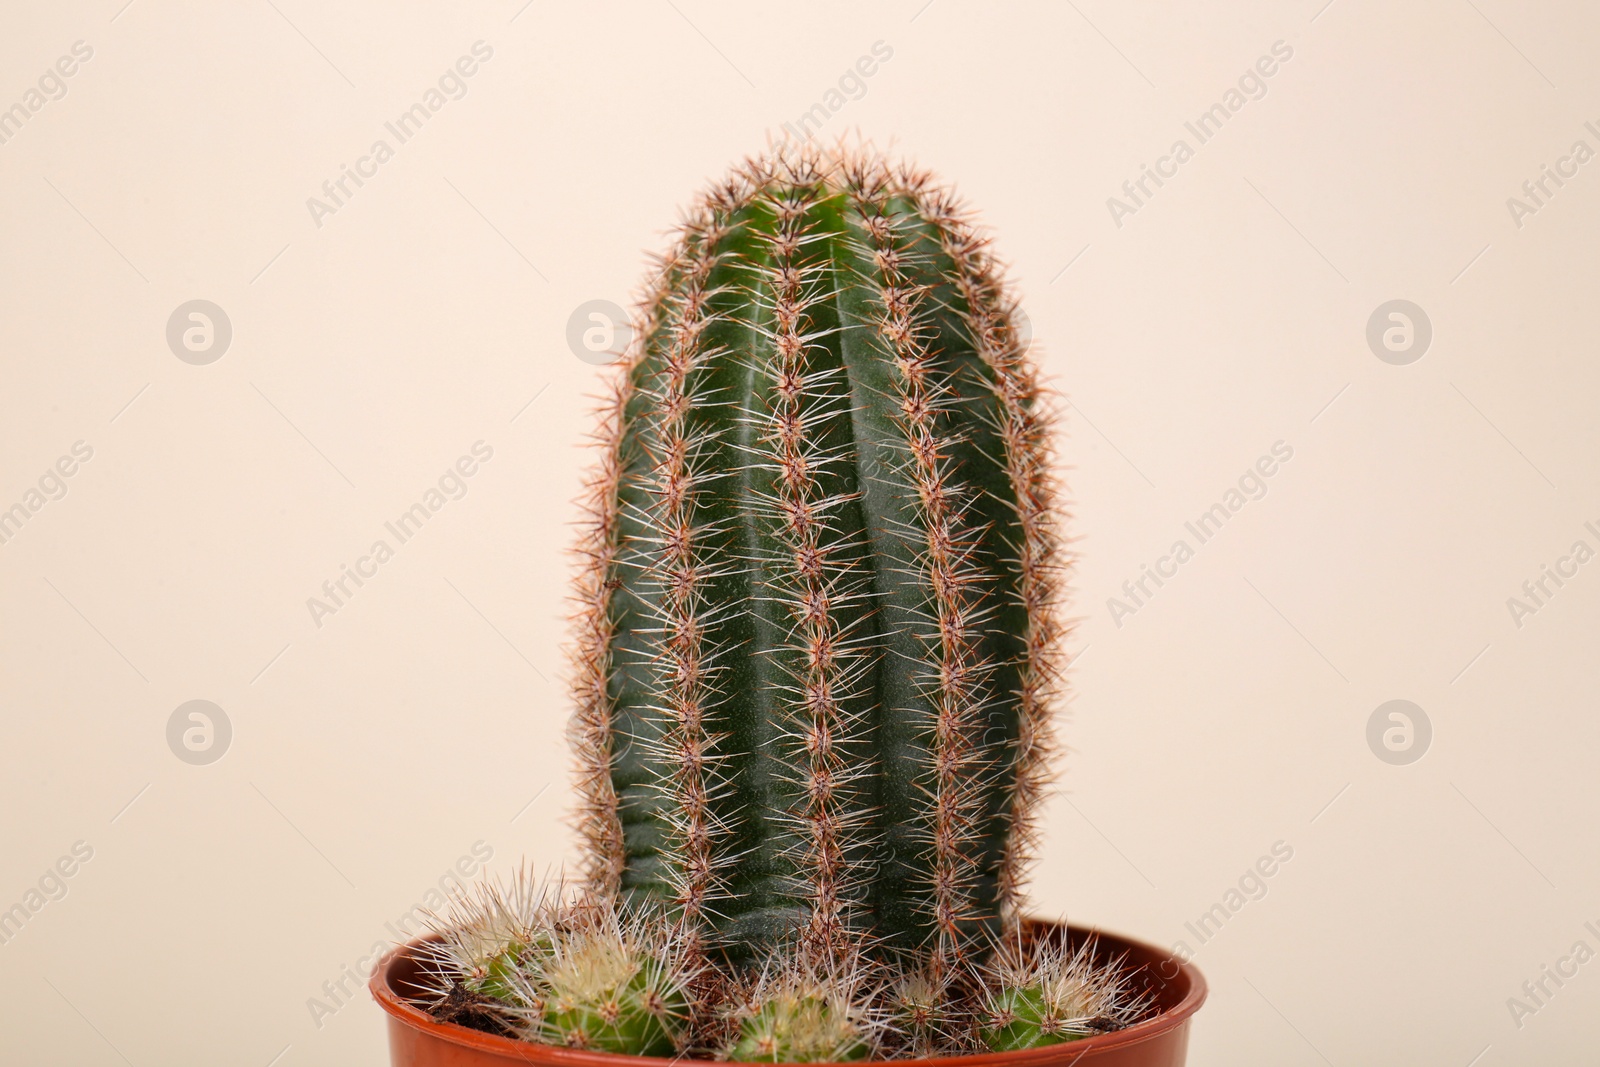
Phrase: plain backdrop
(1208, 319)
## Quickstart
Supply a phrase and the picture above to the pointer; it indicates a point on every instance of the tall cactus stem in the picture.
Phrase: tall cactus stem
(818, 651)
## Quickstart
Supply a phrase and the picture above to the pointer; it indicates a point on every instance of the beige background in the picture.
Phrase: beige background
(1228, 714)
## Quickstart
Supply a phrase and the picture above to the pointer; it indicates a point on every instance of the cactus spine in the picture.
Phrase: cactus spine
(817, 641)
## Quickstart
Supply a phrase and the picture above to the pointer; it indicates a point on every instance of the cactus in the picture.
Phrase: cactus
(1053, 994)
(929, 1015)
(816, 657)
(803, 1011)
(609, 983)
(483, 939)
(817, 640)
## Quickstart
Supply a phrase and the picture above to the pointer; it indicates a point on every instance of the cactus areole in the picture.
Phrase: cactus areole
(817, 646)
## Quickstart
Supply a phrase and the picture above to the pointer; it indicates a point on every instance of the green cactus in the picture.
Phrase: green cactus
(816, 657)
(1050, 994)
(608, 984)
(817, 639)
(929, 1016)
(498, 973)
(798, 1028)
(798, 1012)
(484, 939)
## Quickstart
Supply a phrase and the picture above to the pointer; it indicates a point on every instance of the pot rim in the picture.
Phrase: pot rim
(403, 1011)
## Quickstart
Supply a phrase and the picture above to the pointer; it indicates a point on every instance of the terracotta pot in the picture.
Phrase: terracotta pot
(1178, 990)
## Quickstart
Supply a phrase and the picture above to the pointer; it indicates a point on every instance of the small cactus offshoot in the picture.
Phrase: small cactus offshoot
(481, 942)
(1052, 995)
(930, 1016)
(609, 984)
(817, 657)
(798, 1012)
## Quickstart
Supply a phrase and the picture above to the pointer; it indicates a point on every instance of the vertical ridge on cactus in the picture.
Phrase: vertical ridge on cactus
(590, 726)
(817, 643)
